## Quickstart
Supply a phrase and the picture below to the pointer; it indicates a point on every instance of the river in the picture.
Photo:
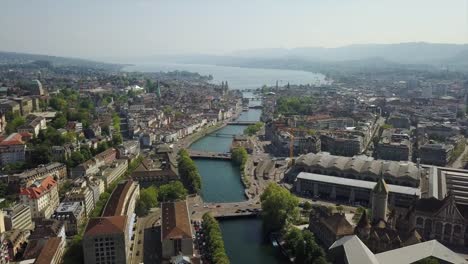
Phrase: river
(237, 77)
(221, 183)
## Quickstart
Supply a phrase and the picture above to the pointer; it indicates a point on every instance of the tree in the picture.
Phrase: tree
(41, 154)
(253, 129)
(76, 158)
(307, 206)
(278, 206)
(15, 123)
(172, 191)
(214, 240)
(60, 121)
(239, 156)
(188, 172)
(148, 199)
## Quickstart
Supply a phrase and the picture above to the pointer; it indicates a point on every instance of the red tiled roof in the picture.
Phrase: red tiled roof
(49, 250)
(175, 220)
(36, 192)
(106, 225)
(12, 139)
(117, 200)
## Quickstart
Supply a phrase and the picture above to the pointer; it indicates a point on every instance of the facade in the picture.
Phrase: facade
(106, 240)
(157, 172)
(436, 154)
(18, 217)
(42, 197)
(12, 149)
(15, 241)
(346, 145)
(72, 214)
(350, 190)
(176, 234)
(113, 171)
(444, 220)
(394, 145)
(84, 196)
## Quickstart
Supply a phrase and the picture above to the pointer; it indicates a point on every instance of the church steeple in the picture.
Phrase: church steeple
(379, 200)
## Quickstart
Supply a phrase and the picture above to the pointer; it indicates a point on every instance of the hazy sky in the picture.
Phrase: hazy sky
(130, 28)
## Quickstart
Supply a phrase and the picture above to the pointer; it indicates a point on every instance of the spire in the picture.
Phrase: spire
(363, 221)
(381, 187)
(158, 90)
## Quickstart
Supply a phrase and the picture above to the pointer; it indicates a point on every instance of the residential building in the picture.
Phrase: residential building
(61, 153)
(176, 233)
(113, 171)
(436, 154)
(42, 197)
(25, 103)
(399, 121)
(15, 241)
(155, 171)
(3, 123)
(33, 125)
(106, 240)
(12, 149)
(18, 217)
(55, 169)
(46, 228)
(394, 145)
(84, 195)
(128, 148)
(9, 106)
(344, 145)
(72, 214)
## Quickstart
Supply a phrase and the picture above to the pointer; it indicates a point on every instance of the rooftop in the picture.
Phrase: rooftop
(357, 183)
(106, 225)
(175, 220)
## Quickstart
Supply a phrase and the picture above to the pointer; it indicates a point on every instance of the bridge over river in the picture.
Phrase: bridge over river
(197, 154)
(226, 210)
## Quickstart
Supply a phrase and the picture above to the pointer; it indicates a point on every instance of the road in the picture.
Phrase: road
(459, 163)
(145, 240)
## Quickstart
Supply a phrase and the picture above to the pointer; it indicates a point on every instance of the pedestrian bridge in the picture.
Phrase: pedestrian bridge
(242, 123)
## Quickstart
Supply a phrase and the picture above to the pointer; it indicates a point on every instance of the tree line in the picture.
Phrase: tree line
(188, 172)
(215, 243)
(151, 197)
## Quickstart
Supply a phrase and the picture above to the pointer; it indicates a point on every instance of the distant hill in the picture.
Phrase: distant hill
(23, 58)
(407, 53)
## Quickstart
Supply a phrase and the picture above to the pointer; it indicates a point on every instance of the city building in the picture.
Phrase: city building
(435, 154)
(46, 228)
(106, 240)
(12, 149)
(155, 171)
(33, 125)
(360, 168)
(350, 190)
(42, 197)
(2, 222)
(72, 214)
(343, 145)
(84, 196)
(176, 233)
(113, 171)
(394, 145)
(55, 169)
(128, 148)
(15, 241)
(399, 121)
(329, 227)
(18, 217)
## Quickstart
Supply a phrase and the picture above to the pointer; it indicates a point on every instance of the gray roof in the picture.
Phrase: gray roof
(357, 183)
(357, 253)
(420, 251)
(360, 165)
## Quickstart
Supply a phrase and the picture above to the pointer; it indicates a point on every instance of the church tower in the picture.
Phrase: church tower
(379, 201)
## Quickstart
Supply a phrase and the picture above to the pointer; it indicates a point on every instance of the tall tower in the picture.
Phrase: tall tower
(379, 201)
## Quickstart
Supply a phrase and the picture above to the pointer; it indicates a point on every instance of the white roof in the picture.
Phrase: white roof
(355, 251)
(419, 251)
(356, 183)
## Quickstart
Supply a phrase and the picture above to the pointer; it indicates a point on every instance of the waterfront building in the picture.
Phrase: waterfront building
(42, 197)
(176, 233)
(18, 217)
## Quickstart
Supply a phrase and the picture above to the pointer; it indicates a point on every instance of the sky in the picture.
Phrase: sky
(138, 28)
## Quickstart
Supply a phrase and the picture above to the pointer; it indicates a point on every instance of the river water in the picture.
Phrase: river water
(221, 183)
